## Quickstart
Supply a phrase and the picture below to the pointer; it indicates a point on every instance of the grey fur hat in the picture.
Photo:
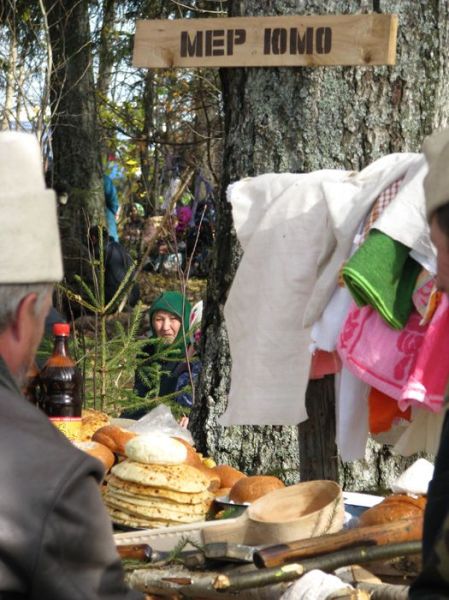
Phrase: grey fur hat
(436, 182)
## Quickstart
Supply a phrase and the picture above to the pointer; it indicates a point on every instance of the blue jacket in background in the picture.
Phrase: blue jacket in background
(112, 206)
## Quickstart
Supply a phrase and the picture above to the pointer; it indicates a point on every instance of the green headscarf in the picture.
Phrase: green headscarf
(176, 304)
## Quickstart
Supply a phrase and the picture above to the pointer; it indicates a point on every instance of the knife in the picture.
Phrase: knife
(142, 552)
(230, 552)
(404, 530)
(216, 551)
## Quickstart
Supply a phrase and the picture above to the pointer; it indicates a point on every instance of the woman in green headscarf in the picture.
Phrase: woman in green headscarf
(169, 317)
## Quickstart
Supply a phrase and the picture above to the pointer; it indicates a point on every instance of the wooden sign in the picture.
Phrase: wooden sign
(267, 41)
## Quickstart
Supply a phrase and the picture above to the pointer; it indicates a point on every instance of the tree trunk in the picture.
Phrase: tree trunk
(299, 120)
(147, 133)
(106, 56)
(8, 111)
(76, 164)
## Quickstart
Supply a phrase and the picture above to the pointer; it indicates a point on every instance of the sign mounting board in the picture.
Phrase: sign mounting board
(295, 41)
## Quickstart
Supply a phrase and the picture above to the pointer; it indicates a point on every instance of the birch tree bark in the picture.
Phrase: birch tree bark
(303, 119)
(11, 69)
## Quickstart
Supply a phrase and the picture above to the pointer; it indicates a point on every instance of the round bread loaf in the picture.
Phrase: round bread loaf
(156, 449)
(248, 489)
(102, 453)
(228, 475)
(114, 438)
(193, 458)
(394, 508)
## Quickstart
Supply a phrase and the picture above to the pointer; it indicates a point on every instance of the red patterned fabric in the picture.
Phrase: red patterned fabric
(428, 379)
(380, 204)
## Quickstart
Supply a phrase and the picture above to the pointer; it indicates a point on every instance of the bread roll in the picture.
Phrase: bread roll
(222, 492)
(394, 508)
(248, 489)
(114, 438)
(156, 449)
(228, 475)
(102, 453)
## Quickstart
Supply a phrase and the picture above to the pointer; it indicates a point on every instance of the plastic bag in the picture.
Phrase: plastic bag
(161, 420)
(315, 585)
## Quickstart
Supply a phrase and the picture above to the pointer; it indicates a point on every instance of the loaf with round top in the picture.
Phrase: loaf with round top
(394, 508)
(222, 492)
(248, 489)
(228, 475)
(98, 451)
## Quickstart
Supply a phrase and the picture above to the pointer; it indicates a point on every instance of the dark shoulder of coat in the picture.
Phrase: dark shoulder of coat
(433, 581)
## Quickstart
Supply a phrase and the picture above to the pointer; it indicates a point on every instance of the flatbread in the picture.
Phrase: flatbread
(122, 518)
(167, 505)
(137, 489)
(160, 503)
(180, 478)
(152, 512)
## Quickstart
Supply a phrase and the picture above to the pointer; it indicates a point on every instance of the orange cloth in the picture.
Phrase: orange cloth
(383, 411)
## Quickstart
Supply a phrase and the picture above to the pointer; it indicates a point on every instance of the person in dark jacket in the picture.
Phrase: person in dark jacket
(117, 263)
(169, 317)
(56, 538)
(433, 581)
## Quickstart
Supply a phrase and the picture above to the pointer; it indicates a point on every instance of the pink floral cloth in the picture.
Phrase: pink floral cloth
(377, 354)
(427, 381)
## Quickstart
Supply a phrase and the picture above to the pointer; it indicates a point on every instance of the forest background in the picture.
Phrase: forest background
(67, 75)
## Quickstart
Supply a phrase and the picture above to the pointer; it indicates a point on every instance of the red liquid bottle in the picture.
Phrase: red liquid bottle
(61, 386)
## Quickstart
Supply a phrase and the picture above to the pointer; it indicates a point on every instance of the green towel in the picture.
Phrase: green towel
(382, 274)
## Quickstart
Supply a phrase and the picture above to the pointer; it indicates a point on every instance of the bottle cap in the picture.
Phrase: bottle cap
(61, 329)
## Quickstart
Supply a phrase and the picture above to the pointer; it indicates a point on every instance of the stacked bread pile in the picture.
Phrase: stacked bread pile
(157, 487)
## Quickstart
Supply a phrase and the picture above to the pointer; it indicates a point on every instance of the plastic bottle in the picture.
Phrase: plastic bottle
(61, 386)
(31, 387)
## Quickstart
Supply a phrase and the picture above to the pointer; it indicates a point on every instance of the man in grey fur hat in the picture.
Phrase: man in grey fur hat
(433, 582)
(55, 536)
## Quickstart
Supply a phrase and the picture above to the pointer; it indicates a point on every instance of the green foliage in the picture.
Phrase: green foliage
(150, 371)
(108, 361)
(110, 356)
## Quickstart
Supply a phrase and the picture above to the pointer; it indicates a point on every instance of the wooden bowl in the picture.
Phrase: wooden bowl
(300, 511)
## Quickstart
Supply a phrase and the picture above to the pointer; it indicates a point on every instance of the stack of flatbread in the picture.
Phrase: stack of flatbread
(151, 494)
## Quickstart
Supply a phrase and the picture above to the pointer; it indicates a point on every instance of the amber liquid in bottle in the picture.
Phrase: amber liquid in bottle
(61, 386)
